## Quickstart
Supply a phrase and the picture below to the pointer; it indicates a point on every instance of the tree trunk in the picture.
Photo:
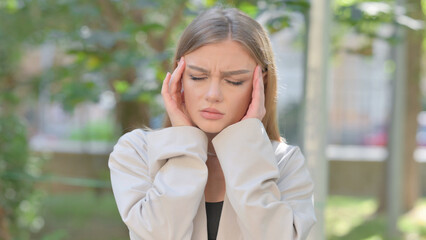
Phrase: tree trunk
(4, 228)
(413, 49)
(132, 115)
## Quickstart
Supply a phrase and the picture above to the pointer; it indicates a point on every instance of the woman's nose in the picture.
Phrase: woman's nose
(214, 93)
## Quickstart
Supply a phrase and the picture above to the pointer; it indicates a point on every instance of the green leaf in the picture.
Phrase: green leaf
(345, 2)
(152, 27)
(210, 3)
(93, 62)
(276, 24)
(12, 5)
(121, 86)
(424, 7)
(390, 66)
(160, 76)
(298, 6)
(145, 97)
(249, 8)
(101, 130)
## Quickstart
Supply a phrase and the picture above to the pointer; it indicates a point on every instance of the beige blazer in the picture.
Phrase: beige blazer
(158, 179)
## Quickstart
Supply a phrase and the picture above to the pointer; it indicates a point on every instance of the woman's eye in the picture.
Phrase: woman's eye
(196, 78)
(234, 83)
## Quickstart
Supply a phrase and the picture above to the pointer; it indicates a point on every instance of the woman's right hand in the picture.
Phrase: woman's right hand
(173, 99)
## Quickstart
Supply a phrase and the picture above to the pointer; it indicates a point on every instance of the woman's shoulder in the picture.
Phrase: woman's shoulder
(135, 136)
(285, 152)
(135, 140)
(141, 137)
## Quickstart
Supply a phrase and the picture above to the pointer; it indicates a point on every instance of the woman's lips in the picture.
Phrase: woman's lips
(211, 114)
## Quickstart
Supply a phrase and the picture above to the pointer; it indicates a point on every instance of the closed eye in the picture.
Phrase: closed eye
(196, 78)
(234, 83)
(228, 81)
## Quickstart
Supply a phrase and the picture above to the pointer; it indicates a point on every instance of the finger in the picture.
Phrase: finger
(165, 83)
(176, 88)
(255, 93)
(261, 93)
(177, 77)
(179, 95)
(173, 78)
(165, 87)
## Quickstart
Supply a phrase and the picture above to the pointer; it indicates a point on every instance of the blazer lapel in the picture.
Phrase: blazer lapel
(228, 226)
(200, 222)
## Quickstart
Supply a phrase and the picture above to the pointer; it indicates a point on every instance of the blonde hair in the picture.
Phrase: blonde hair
(219, 24)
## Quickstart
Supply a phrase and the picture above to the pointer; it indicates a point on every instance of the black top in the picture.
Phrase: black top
(213, 210)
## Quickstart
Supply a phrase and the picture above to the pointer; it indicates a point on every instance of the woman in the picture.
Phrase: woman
(219, 168)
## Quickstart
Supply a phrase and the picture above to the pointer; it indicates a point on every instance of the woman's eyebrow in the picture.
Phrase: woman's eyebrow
(224, 74)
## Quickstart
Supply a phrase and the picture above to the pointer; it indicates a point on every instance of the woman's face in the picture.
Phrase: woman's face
(217, 85)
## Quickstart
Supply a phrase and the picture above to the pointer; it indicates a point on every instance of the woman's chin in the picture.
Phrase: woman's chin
(211, 128)
(211, 131)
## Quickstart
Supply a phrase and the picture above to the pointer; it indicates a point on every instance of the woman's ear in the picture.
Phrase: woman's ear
(264, 74)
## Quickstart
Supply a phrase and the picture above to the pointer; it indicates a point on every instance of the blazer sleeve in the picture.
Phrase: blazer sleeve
(271, 202)
(159, 203)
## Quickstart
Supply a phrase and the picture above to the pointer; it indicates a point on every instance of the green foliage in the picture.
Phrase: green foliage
(278, 23)
(354, 218)
(18, 198)
(109, 44)
(56, 235)
(121, 86)
(365, 17)
(249, 8)
(74, 93)
(74, 216)
(414, 222)
(95, 131)
(342, 218)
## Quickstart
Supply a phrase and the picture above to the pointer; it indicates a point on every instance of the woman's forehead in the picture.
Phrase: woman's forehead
(226, 73)
(209, 66)
(227, 49)
(219, 63)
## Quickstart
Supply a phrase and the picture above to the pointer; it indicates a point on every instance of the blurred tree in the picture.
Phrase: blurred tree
(125, 46)
(19, 201)
(413, 49)
(365, 17)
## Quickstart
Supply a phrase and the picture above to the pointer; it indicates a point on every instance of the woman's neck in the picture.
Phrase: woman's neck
(215, 188)
(210, 148)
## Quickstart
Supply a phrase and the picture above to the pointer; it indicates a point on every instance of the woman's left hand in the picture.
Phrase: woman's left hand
(257, 108)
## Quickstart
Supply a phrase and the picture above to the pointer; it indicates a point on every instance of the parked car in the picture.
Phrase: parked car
(379, 137)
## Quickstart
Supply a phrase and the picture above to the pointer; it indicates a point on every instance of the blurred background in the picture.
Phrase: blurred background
(77, 74)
